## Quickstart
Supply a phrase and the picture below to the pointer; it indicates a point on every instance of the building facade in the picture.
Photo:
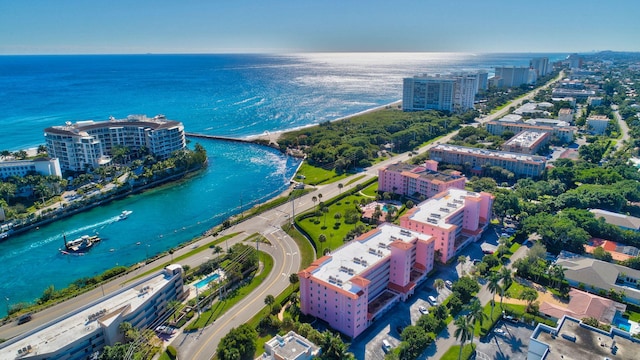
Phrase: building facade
(598, 123)
(417, 180)
(87, 330)
(475, 159)
(453, 218)
(540, 65)
(89, 144)
(42, 166)
(514, 76)
(566, 115)
(561, 130)
(455, 92)
(364, 278)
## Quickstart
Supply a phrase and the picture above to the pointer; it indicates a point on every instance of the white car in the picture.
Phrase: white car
(423, 310)
(448, 284)
(385, 345)
(499, 331)
(432, 300)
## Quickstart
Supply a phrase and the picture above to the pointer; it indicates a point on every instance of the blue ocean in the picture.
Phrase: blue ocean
(226, 95)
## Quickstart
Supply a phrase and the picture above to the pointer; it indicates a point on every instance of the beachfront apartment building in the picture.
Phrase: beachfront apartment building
(88, 329)
(417, 181)
(475, 159)
(561, 130)
(353, 285)
(513, 76)
(89, 144)
(454, 218)
(43, 166)
(526, 142)
(454, 92)
(540, 65)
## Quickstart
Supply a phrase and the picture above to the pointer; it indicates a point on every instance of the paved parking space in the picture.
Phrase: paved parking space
(513, 344)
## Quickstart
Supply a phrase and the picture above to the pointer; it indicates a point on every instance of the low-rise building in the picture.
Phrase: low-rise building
(290, 346)
(571, 339)
(42, 166)
(566, 115)
(454, 218)
(594, 100)
(596, 275)
(581, 305)
(417, 180)
(598, 123)
(561, 130)
(623, 221)
(89, 144)
(475, 159)
(526, 142)
(361, 280)
(88, 329)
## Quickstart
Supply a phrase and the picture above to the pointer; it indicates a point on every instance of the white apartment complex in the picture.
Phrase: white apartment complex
(42, 166)
(454, 92)
(88, 144)
(513, 76)
(90, 328)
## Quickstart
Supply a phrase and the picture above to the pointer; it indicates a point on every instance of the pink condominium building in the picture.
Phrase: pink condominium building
(418, 180)
(454, 218)
(350, 287)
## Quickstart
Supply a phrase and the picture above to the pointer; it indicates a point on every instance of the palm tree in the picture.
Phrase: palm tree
(461, 261)
(321, 238)
(505, 276)
(325, 210)
(493, 285)
(556, 272)
(269, 300)
(340, 186)
(438, 284)
(529, 295)
(314, 199)
(463, 331)
(475, 315)
(173, 306)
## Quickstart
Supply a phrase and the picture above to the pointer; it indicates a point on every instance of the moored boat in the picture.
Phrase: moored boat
(80, 245)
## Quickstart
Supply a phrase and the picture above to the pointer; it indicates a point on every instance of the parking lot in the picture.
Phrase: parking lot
(511, 343)
(369, 344)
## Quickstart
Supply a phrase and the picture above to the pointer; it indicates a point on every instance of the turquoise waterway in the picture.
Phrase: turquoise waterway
(162, 218)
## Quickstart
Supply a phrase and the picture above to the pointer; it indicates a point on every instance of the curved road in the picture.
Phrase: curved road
(202, 345)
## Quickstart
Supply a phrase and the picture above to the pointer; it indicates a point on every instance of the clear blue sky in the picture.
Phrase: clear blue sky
(214, 26)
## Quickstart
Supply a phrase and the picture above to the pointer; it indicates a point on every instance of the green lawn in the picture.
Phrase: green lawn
(334, 229)
(371, 190)
(307, 252)
(315, 175)
(454, 351)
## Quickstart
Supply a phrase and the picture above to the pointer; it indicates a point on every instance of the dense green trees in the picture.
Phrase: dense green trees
(238, 344)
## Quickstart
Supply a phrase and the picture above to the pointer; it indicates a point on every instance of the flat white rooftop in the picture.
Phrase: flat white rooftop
(489, 153)
(63, 331)
(362, 254)
(526, 138)
(437, 209)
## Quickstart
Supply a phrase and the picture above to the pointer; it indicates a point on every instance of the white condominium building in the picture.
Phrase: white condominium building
(88, 144)
(454, 92)
(88, 329)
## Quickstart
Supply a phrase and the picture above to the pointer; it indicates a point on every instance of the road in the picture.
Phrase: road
(202, 345)
(624, 129)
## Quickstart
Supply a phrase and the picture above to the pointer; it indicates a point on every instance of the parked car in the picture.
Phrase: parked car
(448, 284)
(432, 300)
(499, 331)
(386, 346)
(510, 318)
(423, 310)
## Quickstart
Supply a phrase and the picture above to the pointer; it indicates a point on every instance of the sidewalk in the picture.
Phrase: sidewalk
(445, 339)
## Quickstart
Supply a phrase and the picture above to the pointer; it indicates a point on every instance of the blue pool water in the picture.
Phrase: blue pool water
(621, 322)
(204, 282)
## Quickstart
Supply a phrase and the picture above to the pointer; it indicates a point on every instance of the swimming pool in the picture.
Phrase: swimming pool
(621, 322)
(204, 282)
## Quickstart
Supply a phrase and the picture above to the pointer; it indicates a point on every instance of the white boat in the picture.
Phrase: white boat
(125, 214)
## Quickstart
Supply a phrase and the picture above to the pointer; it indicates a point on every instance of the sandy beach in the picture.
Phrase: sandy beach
(273, 137)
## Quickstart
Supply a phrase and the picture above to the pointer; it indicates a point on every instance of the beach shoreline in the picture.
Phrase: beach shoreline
(273, 136)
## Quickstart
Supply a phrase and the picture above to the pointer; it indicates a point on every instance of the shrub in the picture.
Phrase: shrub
(172, 352)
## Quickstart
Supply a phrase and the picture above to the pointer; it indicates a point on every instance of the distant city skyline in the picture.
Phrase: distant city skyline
(284, 26)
